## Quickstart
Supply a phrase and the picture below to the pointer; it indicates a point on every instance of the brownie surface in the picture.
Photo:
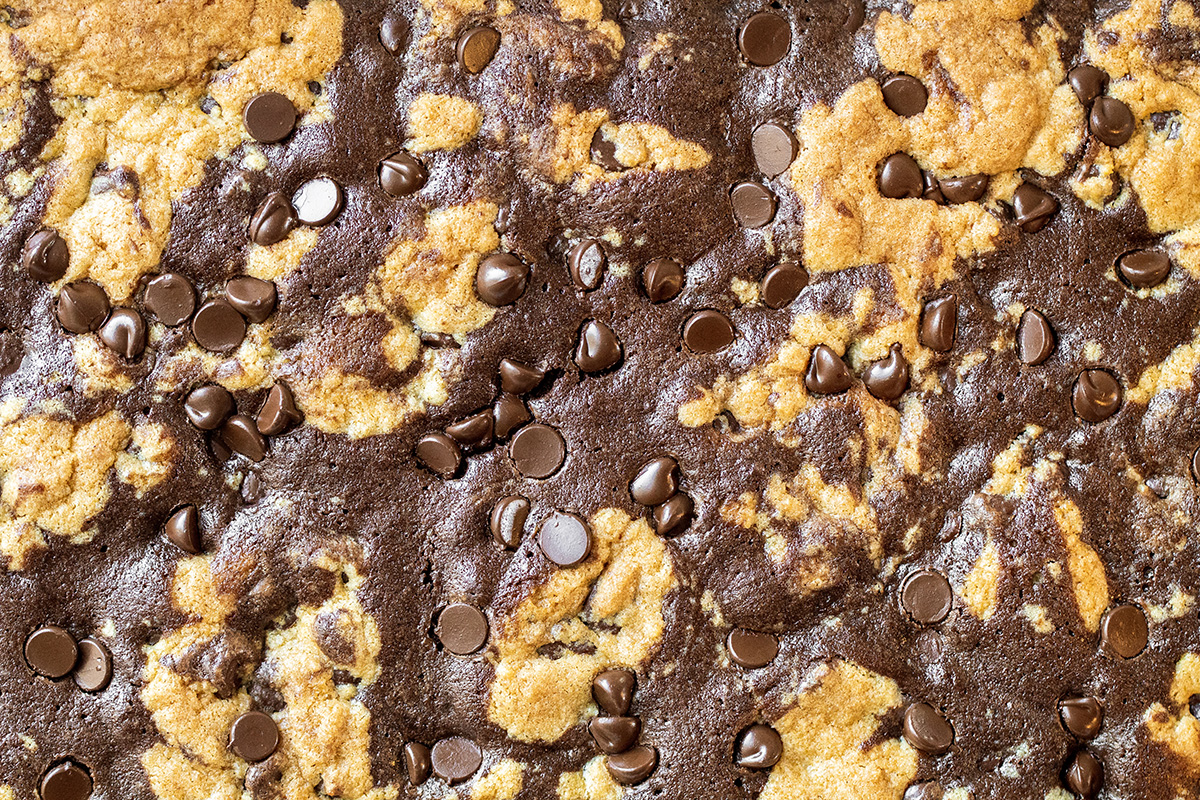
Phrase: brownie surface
(591, 399)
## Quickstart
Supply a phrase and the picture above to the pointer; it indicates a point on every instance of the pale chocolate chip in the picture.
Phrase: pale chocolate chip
(774, 148)
(393, 35)
(939, 321)
(633, 766)
(614, 734)
(440, 454)
(477, 47)
(183, 530)
(507, 520)
(587, 261)
(613, 691)
(93, 671)
(565, 539)
(827, 373)
(1035, 338)
(461, 628)
(927, 730)
(318, 201)
(254, 736)
(753, 204)
(455, 759)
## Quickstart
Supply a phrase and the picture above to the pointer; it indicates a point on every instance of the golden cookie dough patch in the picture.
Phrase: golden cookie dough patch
(1172, 723)
(593, 782)
(441, 122)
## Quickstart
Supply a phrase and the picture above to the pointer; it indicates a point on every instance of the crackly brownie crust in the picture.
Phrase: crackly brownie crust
(933, 428)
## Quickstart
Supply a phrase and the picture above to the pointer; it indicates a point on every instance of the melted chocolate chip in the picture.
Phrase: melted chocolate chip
(662, 279)
(474, 431)
(1088, 83)
(1111, 121)
(827, 373)
(1144, 268)
(672, 517)
(783, 283)
(93, 671)
(400, 174)
(774, 148)
(751, 649)
(183, 530)
(1033, 207)
(655, 482)
(66, 781)
(1096, 396)
(765, 39)
(888, 378)
(968, 189)
(254, 736)
(708, 331)
(507, 520)
(753, 204)
(501, 279)
(124, 332)
(208, 406)
(462, 629)
(927, 730)
(253, 298)
(587, 262)
(926, 597)
(509, 413)
(905, 95)
(633, 766)
(218, 326)
(418, 763)
(440, 454)
(565, 538)
(1035, 338)
(1084, 775)
(900, 177)
(46, 256)
(759, 747)
(518, 377)
(1081, 716)
(455, 759)
(604, 152)
(82, 307)
(598, 348)
(279, 413)
(393, 32)
(269, 117)
(318, 202)
(613, 691)
(1124, 631)
(50, 651)
(933, 190)
(240, 435)
(170, 298)
(614, 734)
(477, 47)
(939, 319)
(273, 220)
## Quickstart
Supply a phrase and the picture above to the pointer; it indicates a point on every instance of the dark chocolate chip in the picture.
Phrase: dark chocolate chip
(774, 148)
(827, 373)
(887, 378)
(1088, 82)
(783, 283)
(939, 321)
(319, 201)
(1196, 465)
(273, 220)
(933, 190)
(1033, 207)
(218, 326)
(927, 730)
(662, 279)
(183, 530)
(50, 651)
(1111, 121)
(240, 434)
(1081, 716)
(279, 413)
(253, 298)
(518, 377)
(1084, 775)
(455, 759)
(439, 453)
(477, 47)
(82, 307)
(94, 668)
(905, 95)
(967, 189)
(417, 763)
(393, 33)
(170, 298)
(753, 204)
(46, 256)
(633, 766)
(587, 262)
(537, 451)
(613, 691)
(565, 538)
(400, 174)
(208, 406)
(856, 14)
(751, 649)
(462, 629)
(474, 431)
(1124, 630)
(1096, 396)
(1144, 268)
(759, 747)
(438, 340)
(124, 332)
(598, 347)
(604, 152)
(672, 517)
(926, 597)
(501, 279)
(269, 117)
(66, 781)
(765, 38)
(655, 482)
(614, 734)
(708, 331)
(509, 413)
(900, 177)
(508, 520)
(1035, 338)
(254, 736)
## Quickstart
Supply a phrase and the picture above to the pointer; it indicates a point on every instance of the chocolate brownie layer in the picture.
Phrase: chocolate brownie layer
(582, 399)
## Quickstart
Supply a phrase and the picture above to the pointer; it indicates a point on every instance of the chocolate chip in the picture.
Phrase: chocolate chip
(604, 152)
(477, 47)
(827, 373)
(218, 326)
(614, 734)
(655, 482)
(856, 14)
(417, 762)
(537, 451)
(783, 283)
(253, 298)
(400, 174)
(586, 262)
(438, 340)
(1097, 395)
(208, 406)
(393, 33)
(46, 256)
(439, 453)
(598, 347)
(1124, 630)
(1035, 338)
(672, 517)
(279, 413)
(1033, 207)
(765, 38)
(905, 95)
(1081, 716)
(273, 220)
(1111, 121)
(170, 298)
(50, 651)
(1196, 465)
(633, 766)
(183, 530)
(1088, 82)
(751, 649)
(253, 736)
(269, 117)
(1144, 268)
(887, 378)
(926, 597)
(124, 332)
(613, 691)
(508, 520)
(565, 538)
(253, 489)
(509, 414)
(939, 320)
(930, 790)
(462, 629)
(662, 279)
(94, 668)
(240, 434)
(900, 177)
(318, 202)
(759, 747)
(329, 631)
(1084, 775)
(66, 781)
(455, 759)
(927, 730)
(82, 307)
(474, 431)
(753, 204)
(518, 377)
(708, 331)
(933, 190)
(774, 148)
(967, 189)
(501, 279)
